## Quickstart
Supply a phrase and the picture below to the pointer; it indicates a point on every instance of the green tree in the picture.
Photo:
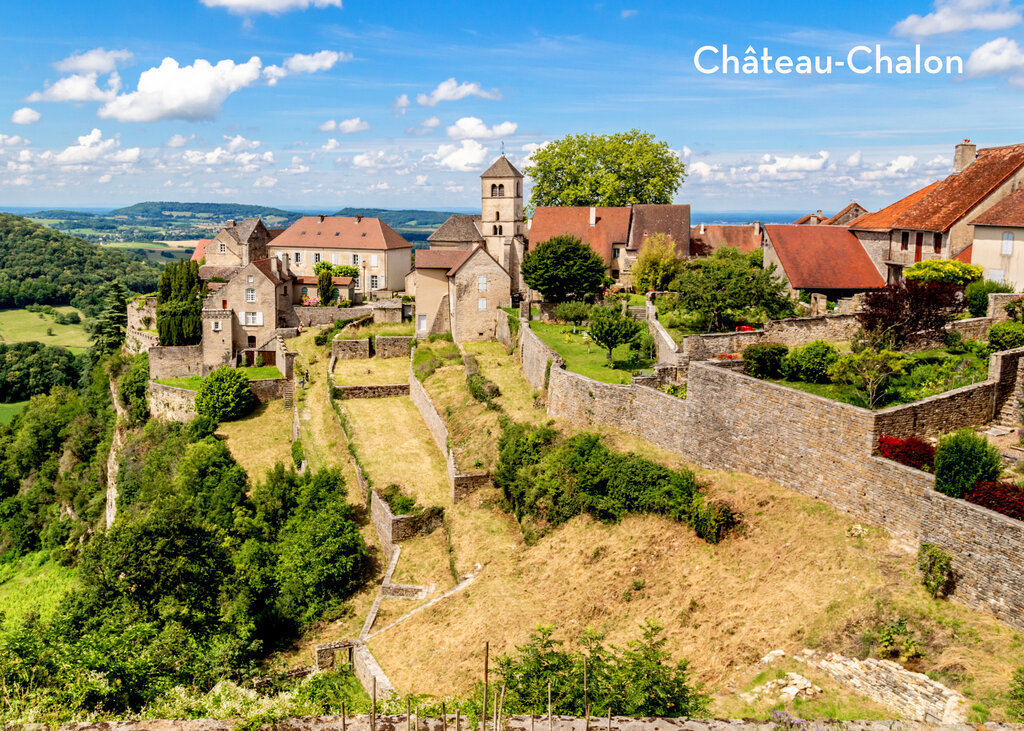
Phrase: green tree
(657, 265)
(977, 293)
(605, 170)
(609, 328)
(947, 271)
(132, 388)
(346, 270)
(868, 371)
(325, 286)
(107, 329)
(573, 311)
(1016, 705)
(322, 266)
(224, 395)
(179, 305)
(563, 266)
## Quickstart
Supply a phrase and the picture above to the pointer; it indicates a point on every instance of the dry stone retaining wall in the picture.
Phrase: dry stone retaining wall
(268, 389)
(175, 361)
(392, 529)
(394, 389)
(392, 346)
(534, 356)
(312, 316)
(171, 403)
(347, 349)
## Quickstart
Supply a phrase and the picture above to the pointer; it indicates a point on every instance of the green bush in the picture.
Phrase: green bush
(1016, 705)
(225, 395)
(810, 363)
(399, 502)
(132, 389)
(977, 293)
(200, 427)
(936, 567)
(962, 459)
(764, 361)
(298, 455)
(575, 311)
(1006, 336)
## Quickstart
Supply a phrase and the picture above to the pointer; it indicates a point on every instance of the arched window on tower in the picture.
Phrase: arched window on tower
(497, 215)
(494, 231)
(499, 230)
(501, 190)
(519, 189)
(494, 190)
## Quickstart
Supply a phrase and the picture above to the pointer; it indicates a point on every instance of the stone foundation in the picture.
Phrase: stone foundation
(392, 346)
(171, 403)
(349, 349)
(347, 392)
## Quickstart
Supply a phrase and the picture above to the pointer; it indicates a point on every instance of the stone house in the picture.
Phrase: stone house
(460, 292)
(935, 221)
(998, 246)
(382, 255)
(828, 260)
(849, 213)
(237, 244)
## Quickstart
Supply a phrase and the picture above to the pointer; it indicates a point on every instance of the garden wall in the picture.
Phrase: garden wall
(502, 333)
(392, 346)
(997, 302)
(175, 361)
(392, 529)
(311, 316)
(790, 332)
(268, 389)
(347, 349)
(535, 356)
(171, 403)
(395, 389)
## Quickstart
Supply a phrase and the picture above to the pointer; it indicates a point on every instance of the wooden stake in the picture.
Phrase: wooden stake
(494, 714)
(609, 718)
(408, 714)
(487, 656)
(586, 698)
(531, 721)
(373, 706)
(458, 711)
(343, 728)
(501, 708)
(551, 721)
(586, 722)
(444, 718)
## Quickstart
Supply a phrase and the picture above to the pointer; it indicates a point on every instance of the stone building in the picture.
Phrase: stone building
(934, 222)
(852, 211)
(999, 241)
(460, 292)
(827, 260)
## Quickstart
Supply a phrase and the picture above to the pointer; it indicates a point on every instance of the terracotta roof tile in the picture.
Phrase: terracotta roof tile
(1007, 212)
(965, 255)
(823, 257)
(266, 266)
(340, 232)
(746, 238)
(886, 218)
(611, 227)
(439, 258)
(672, 220)
(340, 281)
(200, 251)
(833, 220)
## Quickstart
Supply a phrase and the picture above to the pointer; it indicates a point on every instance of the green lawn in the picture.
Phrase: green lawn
(385, 329)
(192, 382)
(33, 583)
(8, 411)
(20, 326)
(585, 357)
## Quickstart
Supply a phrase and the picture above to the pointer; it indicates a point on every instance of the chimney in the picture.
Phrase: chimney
(593, 216)
(231, 223)
(702, 229)
(757, 225)
(321, 217)
(964, 155)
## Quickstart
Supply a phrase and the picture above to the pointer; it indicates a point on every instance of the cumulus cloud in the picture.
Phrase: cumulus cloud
(401, 104)
(451, 90)
(331, 144)
(425, 127)
(264, 181)
(373, 159)
(421, 180)
(345, 126)
(465, 157)
(96, 61)
(298, 167)
(105, 178)
(78, 88)
(304, 63)
(241, 156)
(382, 185)
(25, 115)
(274, 7)
(179, 140)
(774, 165)
(998, 57)
(855, 159)
(951, 16)
(89, 148)
(239, 143)
(191, 93)
(468, 128)
(12, 141)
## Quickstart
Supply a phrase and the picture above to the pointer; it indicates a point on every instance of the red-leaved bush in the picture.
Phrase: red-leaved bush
(912, 452)
(1003, 497)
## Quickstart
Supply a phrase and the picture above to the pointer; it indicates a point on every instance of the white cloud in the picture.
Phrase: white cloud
(105, 178)
(78, 88)
(995, 58)
(421, 180)
(304, 63)
(773, 165)
(451, 90)
(244, 159)
(90, 148)
(297, 167)
(431, 122)
(191, 93)
(239, 143)
(627, 14)
(465, 157)
(128, 155)
(951, 16)
(373, 159)
(468, 128)
(274, 7)
(21, 180)
(179, 140)
(349, 126)
(96, 61)
(329, 126)
(453, 188)
(25, 115)
(12, 140)
(331, 144)
(264, 181)
(401, 104)
(855, 159)
(382, 185)
(901, 164)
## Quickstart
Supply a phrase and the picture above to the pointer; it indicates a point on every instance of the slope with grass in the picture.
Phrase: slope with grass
(32, 583)
(9, 411)
(22, 326)
(584, 356)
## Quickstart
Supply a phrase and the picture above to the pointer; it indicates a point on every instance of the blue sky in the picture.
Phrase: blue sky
(310, 103)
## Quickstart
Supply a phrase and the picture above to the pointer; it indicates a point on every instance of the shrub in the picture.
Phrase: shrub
(947, 271)
(977, 293)
(811, 362)
(398, 501)
(225, 395)
(964, 459)
(132, 389)
(1016, 705)
(298, 455)
(896, 640)
(574, 311)
(1003, 497)
(936, 567)
(1005, 336)
(200, 427)
(764, 361)
(480, 387)
(911, 451)
(1015, 309)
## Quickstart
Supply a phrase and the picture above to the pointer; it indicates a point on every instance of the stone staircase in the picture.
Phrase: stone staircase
(1008, 416)
(637, 313)
(289, 394)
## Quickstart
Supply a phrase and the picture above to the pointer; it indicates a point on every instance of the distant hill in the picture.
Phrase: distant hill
(409, 218)
(39, 265)
(214, 211)
(60, 213)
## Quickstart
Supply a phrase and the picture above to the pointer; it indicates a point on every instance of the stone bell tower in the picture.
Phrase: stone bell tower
(501, 208)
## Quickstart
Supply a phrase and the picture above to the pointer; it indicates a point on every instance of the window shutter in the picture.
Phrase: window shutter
(241, 317)
(259, 318)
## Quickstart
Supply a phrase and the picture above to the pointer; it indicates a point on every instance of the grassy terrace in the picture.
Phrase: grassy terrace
(20, 326)
(371, 371)
(33, 583)
(586, 357)
(192, 382)
(9, 411)
(356, 332)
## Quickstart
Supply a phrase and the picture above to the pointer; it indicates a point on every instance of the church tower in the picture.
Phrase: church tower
(501, 209)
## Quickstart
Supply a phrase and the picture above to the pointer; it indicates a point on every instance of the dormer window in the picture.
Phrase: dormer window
(223, 248)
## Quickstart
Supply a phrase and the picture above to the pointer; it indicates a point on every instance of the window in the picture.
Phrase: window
(250, 318)
(501, 190)
(298, 257)
(904, 241)
(373, 260)
(305, 291)
(497, 215)
(481, 283)
(355, 283)
(421, 323)
(481, 304)
(249, 279)
(494, 230)
(216, 324)
(250, 295)
(334, 258)
(355, 260)
(1007, 244)
(499, 230)
(284, 291)
(223, 248)
(374, 282)
(937, 244)
(996, 275)
(316, 256)
(615, 252)
(494, 190)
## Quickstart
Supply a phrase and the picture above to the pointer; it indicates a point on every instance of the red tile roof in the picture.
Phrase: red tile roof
(200, 251)
(1007, 212)
(340, 232)
(823, 257)
(939, 206)
(746, 238)
(439, 258)
(651, 219)
(267, 266)
(834, 220)
(611, 227)
(965, 255)
(804, 219)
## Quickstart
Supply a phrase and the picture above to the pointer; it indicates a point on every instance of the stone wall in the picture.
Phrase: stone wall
(176, 361)
(534, 356)
(389, 310)
(791, 332)
(347, 392)
(974, 328)
(997, 302)
(347, 349)
(268, 389)
(140, 332)
(668, 350)
(171, 403)
(312, 316)
(392, 346)
(392, 529)
(502, 333)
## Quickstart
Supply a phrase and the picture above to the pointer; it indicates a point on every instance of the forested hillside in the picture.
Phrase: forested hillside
(217, 211)
(400, 218)
(41, 266)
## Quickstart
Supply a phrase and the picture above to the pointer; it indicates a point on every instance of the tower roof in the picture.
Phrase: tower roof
(501, 168)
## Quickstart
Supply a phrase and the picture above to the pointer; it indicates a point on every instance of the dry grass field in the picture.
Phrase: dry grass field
(261, 439)
(371, 371)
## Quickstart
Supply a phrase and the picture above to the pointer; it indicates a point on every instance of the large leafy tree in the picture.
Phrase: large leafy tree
(869, 371)
(657, 265)
(225, 395)
(605, 170)
(898, 313)
(563, 266)
(609, 328)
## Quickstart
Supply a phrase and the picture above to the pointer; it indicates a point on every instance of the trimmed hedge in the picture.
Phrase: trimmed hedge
(764, 361)
(810, 363)
(964, 459)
